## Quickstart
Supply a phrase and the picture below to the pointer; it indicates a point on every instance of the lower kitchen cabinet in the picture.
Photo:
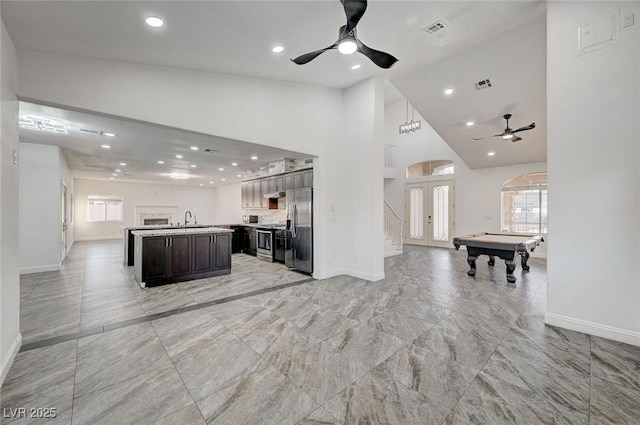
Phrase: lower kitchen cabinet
(237, 239)
(222, 252)
(176, 258)
(179, 255)
(250, 245)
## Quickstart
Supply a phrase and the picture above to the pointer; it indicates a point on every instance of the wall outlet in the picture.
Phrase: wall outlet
(628, 20)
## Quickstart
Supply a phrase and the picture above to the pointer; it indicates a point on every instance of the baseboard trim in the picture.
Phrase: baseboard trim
(372, 277)
(98, 238)
(595, 329)
(40, 269)
(11, 355)
(328, 274)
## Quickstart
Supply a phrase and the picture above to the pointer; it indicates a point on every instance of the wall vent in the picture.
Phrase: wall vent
(437, 26)
(483, 84)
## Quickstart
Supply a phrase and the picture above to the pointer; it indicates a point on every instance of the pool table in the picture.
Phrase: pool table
(503, 245)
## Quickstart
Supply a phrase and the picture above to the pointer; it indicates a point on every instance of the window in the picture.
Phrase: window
(104, 208)
(524, 204)
(430, 168)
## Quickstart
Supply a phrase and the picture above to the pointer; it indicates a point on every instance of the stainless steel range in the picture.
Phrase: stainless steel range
(266, 245)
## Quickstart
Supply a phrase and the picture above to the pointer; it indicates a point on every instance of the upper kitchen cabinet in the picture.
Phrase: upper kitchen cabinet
(307, 178)
(254, 191)
(299, 179)
(264, 189)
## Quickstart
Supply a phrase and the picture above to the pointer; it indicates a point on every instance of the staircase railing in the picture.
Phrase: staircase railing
(392, 224)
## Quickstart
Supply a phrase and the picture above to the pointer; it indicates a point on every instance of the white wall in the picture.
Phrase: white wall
(228, 209)
(10, 338)
(594, 162)
(201, 201)
(40, 189)
(303, 118)
(477, 192)
(364, 127)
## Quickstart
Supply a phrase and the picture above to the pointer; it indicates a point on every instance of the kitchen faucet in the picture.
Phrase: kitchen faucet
(185, 217)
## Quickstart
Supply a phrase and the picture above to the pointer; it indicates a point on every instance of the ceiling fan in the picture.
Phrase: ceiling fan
(348, 42)
(508, 133)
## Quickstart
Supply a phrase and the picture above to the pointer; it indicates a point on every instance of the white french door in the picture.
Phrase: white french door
(429, 213)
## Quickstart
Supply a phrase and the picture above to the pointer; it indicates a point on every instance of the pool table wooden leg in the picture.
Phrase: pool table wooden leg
(525, 258)
(492, 260)
(511, 266)
(472, 263)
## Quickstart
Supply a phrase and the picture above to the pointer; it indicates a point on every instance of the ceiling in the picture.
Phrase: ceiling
(236, 37)
(134, 143)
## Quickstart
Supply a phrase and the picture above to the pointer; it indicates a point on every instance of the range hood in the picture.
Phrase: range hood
(275, 195)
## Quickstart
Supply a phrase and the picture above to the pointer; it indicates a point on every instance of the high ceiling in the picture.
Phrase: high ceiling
(236, 37)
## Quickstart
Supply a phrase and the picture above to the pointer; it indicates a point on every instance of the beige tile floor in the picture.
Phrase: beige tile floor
(426, 345)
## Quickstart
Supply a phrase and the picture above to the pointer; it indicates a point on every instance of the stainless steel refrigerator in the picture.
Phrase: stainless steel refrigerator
(299, 243)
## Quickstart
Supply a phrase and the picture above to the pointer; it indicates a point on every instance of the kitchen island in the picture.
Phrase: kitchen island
(128, 238)
(165, 256)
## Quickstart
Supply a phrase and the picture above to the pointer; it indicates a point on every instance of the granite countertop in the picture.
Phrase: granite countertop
(165, 226)
(180, 231)
(265, 225)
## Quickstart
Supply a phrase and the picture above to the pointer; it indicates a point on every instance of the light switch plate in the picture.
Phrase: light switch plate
(15, 157)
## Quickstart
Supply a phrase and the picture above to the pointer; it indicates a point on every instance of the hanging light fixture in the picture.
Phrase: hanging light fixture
(412, 125)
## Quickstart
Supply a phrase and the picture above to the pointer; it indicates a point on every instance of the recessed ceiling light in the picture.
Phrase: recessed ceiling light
(201, 184)
(448, 91)
(179, 156)
(193, 166)
(106, 146)
(356, 66)
(254, 157)
(118, 171)
(238, 175)
(277, 49)
(109, 134)
(154, 22)
(491, 153)
(235, 164)
(220, 169)
(210, 182)
(194, 148)
(224, 180)
(160, 162)
(111, 178)
(123, 163)
(470, 123)
(114, 175)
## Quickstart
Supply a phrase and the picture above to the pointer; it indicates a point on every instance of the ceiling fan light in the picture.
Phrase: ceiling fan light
(507, 136)
(347, 46)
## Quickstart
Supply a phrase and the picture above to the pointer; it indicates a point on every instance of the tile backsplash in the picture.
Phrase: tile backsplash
(265, 216)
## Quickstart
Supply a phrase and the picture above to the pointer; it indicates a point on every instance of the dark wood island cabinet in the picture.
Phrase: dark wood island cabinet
(176, 255)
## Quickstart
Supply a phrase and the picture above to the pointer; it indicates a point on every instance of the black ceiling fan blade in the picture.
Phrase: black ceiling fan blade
(527, 127)
(382, 59)
(308, 57)
(353, 9)
(479, 138)
(516, 138)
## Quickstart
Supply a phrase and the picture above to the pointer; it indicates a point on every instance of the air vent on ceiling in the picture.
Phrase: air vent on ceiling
(437, 26)
(91, 131)
(484, 84)
(210, 150)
